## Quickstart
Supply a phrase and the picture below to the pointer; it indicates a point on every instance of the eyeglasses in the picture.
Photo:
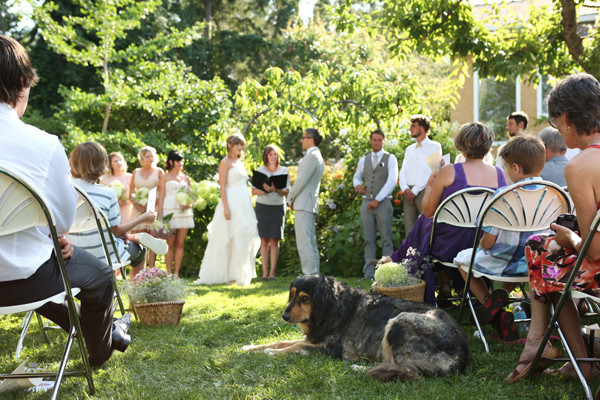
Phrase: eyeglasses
(306, 137)
(552, 123)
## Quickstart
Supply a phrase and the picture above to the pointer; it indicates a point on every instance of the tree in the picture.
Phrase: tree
(545, 39)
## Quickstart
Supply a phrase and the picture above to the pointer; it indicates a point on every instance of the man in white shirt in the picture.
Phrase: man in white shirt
(378, 170)
(303, 198)
(29, 270)
(415, 170)
(516, 124)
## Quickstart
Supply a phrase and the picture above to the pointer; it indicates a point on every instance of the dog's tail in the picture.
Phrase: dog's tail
(393, 372)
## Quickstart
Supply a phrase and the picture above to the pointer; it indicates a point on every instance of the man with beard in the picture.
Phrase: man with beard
(415, 170)
(516, 123)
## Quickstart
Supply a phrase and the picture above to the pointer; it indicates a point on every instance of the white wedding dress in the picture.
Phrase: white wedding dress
(232, 244)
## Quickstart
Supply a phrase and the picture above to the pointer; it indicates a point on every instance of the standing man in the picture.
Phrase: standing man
(303, 199)
(415, 170)
(29, 269)
(554, 169)
(516, 124)
(378, 169)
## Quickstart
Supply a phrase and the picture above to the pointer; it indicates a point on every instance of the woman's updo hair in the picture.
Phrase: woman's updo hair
(578, 96)
(474, 139)
(146, 149)
(234, 139)
(174, 155)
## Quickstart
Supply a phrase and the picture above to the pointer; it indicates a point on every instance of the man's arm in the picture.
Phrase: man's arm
(358, 177)
(390, 183)
(60, 192)
(309, 165)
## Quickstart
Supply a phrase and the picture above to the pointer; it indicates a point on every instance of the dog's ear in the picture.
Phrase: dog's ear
(324, 302)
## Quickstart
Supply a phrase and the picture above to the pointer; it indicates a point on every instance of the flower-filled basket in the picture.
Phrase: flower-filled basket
(395, 280)
(157, 297)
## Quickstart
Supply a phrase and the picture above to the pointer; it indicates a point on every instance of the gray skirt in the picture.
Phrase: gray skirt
(270, 220)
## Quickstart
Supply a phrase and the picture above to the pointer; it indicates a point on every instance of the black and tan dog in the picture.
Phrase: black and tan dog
(409, 339)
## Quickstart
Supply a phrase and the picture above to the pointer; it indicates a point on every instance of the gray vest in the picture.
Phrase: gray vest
(375, 177)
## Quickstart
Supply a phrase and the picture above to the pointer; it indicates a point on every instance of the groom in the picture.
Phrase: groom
(303, 198)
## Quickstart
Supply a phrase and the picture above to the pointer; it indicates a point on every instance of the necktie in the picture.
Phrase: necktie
(419, 145)
(374, 160)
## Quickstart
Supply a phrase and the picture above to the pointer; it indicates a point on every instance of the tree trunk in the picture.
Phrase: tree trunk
(569, 23)
(207, 18)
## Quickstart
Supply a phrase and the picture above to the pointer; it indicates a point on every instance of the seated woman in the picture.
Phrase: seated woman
(574, 108)
(474, 141)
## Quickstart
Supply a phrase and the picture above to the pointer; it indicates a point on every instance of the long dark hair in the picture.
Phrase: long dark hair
(174, 155)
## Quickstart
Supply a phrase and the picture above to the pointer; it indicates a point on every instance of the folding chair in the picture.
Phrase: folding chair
(22, 208)
(566, 296)
(522, 207)
(460, 209)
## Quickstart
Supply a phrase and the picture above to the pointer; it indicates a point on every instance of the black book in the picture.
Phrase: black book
(258, 178)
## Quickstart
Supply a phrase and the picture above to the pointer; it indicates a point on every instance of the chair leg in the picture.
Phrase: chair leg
(119, 300)
(25, 327)
(477, 324)
(43, 327)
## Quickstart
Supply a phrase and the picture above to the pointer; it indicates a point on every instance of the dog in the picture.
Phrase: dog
(408, 339)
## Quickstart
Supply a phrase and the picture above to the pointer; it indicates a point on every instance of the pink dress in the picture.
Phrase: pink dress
(125, 180)
(150, 182)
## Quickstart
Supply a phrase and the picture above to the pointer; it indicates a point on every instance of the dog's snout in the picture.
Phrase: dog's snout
(286, 316)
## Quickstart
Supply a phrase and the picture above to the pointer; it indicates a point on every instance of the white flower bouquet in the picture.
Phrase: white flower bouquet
(184, 196)
(119, 190)
(141, 196)
(161, 228)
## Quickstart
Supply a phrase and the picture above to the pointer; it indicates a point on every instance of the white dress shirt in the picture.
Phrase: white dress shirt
(41, 160)
(390, 183)
(415, 171)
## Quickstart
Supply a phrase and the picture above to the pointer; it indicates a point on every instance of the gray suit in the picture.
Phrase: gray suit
(304, 196)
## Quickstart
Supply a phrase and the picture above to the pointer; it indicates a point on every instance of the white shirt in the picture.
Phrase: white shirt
(390, 183)
(415, 171)
(41, 160)
(273, 199)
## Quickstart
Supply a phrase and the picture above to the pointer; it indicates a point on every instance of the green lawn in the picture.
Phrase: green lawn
(201, 359)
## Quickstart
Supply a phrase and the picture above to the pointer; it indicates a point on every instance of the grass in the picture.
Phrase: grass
(201, 359)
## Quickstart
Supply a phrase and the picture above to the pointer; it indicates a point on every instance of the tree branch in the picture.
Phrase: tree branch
(569, 23)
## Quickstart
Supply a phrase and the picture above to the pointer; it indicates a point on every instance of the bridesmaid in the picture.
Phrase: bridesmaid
(147, 176)
(183, 217)
(118, 173)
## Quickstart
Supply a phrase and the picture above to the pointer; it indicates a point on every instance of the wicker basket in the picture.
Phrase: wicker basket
(163, 313)
(412, 292)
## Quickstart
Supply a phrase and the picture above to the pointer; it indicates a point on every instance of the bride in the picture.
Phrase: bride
(233, 240)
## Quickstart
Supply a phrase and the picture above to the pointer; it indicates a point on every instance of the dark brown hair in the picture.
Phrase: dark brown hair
(527, 151)
(265, 155)
(16, 72)
(474, 139)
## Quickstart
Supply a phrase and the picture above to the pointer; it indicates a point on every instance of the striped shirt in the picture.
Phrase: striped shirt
(105, 199)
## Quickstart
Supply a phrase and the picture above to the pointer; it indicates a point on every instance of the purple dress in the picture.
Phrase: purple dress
(451, 239)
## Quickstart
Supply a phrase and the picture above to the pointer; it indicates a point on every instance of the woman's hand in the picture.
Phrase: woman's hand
(227, 213)
(564, 237)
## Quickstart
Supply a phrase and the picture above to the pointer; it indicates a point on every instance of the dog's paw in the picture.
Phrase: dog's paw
(270, 352)
(250, 347)
(356, 367)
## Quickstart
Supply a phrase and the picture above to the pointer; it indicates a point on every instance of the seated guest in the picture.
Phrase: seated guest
(554, 170)
(574, 108)
(88, 163)
(29, 270)
(474, 141)
(502, 252)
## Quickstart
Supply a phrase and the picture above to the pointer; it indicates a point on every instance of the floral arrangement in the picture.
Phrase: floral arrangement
(405, 273)
(141, 196)
(184, 196)
(204, 193)
(161, 228)
(119, 190)
(154, 285)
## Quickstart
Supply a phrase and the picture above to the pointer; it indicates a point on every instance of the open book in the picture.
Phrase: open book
(258, 178)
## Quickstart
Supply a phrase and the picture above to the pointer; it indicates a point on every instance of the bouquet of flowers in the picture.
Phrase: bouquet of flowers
(184, 196)
(119, 190)
(161, 228)
(154, 285)
(141, 196)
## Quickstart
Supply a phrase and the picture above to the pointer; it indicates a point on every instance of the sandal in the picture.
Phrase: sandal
(516, 376)
(496, 302)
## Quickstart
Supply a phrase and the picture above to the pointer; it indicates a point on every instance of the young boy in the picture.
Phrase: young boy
(502, 252)
(88, 163)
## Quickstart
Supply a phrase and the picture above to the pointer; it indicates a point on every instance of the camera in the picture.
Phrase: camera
(568, 221)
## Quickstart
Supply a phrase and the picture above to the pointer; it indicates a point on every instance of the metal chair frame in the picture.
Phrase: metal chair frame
(510, 210)
(32, 210)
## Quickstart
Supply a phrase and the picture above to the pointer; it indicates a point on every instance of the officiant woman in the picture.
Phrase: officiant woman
(270, 210)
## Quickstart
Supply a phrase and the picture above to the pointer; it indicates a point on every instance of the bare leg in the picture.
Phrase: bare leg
(477, 286)
(151, 259)
(179, 244)
(136, 269)
(169, 255)
(264, 256)
(274, 243)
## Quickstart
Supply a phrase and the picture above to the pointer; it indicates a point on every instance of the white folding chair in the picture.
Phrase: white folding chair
(566, 296)
(22, 208)
(522, 207)
(460, 209)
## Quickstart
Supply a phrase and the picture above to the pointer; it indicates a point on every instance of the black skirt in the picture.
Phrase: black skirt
(270, 221)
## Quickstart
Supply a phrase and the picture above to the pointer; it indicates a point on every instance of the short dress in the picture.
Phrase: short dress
(181, 218)
(151, 182)
(270, 208)
(125, 179)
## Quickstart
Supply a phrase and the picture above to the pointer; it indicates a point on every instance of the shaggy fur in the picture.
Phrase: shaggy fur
(409, 339)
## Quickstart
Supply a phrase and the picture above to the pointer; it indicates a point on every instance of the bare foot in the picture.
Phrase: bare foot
(569, 370)
(527, 356)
